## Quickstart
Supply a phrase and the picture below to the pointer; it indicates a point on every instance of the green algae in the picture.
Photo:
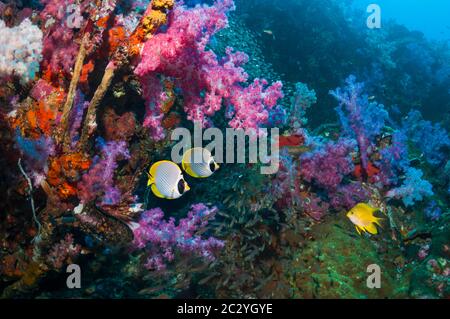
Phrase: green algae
(334, 264)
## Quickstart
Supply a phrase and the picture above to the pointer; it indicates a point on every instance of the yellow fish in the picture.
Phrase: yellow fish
(362, 216)
(166, 180)
(199, 163)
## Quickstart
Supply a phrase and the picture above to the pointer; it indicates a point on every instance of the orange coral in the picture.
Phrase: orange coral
(55, 77)
(156, 17)
(41, 117)
(86, 70)
(162, 4)
(102, 22)
(47, 74)
(116, 36)
(45, 117)
(66, 190)
(65, 171)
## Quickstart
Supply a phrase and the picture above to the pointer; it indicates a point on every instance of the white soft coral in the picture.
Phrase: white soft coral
(20, 50)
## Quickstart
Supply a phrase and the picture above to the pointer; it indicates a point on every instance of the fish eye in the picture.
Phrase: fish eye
(181, 186)
(212, 166)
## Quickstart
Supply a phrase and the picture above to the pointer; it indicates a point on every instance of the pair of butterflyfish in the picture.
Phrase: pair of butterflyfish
(166, 179)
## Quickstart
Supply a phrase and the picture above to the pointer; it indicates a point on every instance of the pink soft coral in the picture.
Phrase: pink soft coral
(327, 165)
(59, 48)
(205, 80)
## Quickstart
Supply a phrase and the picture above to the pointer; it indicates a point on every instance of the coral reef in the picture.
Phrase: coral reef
(89, 97)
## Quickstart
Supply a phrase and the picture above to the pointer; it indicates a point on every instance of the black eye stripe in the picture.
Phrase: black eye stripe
(181, 186)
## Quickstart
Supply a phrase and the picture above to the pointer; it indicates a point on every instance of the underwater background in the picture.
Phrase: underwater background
(91, 91)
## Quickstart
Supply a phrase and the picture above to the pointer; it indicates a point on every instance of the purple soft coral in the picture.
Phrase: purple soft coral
(98, 182)
(360, 118)
(347, 196)
(431, 139)
(327, 165)
(162, 237)
(413, 189)
(393, 160)
(76, 117)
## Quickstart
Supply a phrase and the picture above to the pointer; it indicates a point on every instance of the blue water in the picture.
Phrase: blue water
(432, 17)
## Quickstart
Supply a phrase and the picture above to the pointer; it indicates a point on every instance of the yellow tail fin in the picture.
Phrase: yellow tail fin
(378, 221)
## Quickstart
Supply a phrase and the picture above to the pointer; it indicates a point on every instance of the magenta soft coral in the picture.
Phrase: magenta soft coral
(347, 196)
(250, 106)
(328, 164)
(163, 238)
(206, 81)
(315, 208)
(61, 20)
(59, 48)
